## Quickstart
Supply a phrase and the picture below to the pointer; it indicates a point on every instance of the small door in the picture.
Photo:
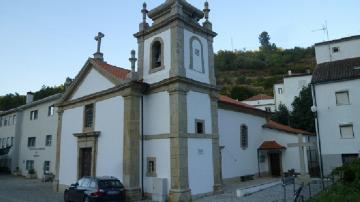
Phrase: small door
(85, 162)
(275, 166)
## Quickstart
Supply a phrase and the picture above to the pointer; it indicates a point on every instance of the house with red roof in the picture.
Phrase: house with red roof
(261, 101)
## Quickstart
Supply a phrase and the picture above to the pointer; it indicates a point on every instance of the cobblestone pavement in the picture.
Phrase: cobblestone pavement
(19, 189)
(272, 194)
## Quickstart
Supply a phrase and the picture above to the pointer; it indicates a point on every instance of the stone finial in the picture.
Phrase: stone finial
(144, 12)
(133, 60)
(98, 55)
(207, 24)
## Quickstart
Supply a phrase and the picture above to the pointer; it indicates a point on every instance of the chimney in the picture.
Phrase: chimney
(67, 83)
(289, 73)
(29, 97)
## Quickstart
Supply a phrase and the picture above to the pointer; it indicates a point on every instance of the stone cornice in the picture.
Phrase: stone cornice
(87, 134)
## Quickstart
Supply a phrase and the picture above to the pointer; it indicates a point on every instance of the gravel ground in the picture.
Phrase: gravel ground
(272, 194)
(18, 189)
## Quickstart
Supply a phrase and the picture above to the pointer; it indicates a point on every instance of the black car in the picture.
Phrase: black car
(95, 189)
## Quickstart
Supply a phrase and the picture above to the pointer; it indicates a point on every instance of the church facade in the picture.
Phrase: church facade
(162, 121)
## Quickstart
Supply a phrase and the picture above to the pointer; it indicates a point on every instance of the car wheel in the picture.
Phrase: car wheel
(66, 197)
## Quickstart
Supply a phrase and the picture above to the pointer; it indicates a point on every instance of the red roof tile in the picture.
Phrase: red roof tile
(277, 126)
(117, 72)
(259, 97)
(271, 145)
(242, 106)
(229, 100)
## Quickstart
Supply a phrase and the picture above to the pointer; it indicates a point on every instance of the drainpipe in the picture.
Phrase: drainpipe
(318, 135)
(142, 146)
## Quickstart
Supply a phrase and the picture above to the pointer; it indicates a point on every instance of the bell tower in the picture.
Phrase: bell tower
(176, 44)
(176, 58)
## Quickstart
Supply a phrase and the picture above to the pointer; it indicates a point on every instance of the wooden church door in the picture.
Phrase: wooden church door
(85, 162)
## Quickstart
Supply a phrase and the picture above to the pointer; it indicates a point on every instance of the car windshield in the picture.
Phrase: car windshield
(103, 184)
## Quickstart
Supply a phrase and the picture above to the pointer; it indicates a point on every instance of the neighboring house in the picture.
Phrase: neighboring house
(336, 97)
(28, 136)
(261, 101)
(286, 92)
(247, 135)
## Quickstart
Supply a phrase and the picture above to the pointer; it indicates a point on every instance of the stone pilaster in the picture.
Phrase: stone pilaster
(216, 145)
(131, 148)
(58, 148)
(211, 60)
(141, 56)
(180, 190)
(177, 50)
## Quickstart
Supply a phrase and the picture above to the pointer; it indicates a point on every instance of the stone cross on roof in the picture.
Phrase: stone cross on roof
(98, 54)
(301, 145)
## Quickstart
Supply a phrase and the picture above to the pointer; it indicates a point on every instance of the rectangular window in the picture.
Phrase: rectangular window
(31, 141)
(89, 116)
(29, 164)
(5, 121)
(51, 110)
(14, 119)
(244, 136)
(46, 166)
(8, 142)
(12, 141)
(1, 121)
(48, 140)
(347, 131)
(199, 127)
(34, 115)
(151, 167)
(347, 158)
(280, 90)
(268, 109)
(342, 98)
(335, 49)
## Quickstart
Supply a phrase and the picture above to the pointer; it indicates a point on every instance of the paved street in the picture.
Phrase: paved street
(18, 189)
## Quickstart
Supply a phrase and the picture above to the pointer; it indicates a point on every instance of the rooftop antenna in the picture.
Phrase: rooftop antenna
(325, 29)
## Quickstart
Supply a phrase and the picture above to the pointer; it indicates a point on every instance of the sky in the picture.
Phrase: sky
(44, 41)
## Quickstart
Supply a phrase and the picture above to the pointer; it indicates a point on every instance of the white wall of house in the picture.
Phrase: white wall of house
(156, 113)
(200, 166)
(330, 116)
(160, 149)
(198, 107)
(7, 138)
(92, 83)
(199, 69)
(41, 127)
(72, 122)
(164, 73)
(347, 49)
(262, 104)
(290, 156)
(109, 120)
(235, 160)
(291, 88)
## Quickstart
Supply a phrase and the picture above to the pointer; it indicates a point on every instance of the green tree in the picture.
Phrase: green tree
(47, 91)
(264, 39)
(242, 92)
(11, 101)
(282, 115)
(302, 117)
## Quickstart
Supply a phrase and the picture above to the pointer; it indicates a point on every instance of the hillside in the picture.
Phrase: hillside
(242, 74)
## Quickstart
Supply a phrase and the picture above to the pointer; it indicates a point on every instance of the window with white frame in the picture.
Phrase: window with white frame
(29, 164)
(14, 119)
(280, 91)
(34, 115)
(335, 49)
(342, 98)
(31, 141)
(51, 110)
(89, 116)
(151, 167)
(48, 140)
(8, 142)
(347, 131)
(12, 141)
(46, 166)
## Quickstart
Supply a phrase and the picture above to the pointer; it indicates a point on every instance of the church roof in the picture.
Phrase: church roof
(271, 145)
(278, 126)
(242, 107)
(117, 72)
(259, 97)
(167, 5)
(340, 70)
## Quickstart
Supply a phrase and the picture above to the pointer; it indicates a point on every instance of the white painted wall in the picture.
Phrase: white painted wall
(278, 97)
(160, 149)
(290, 157)
(156, 113)
(39, 128)
(193, 73)
(331, 116)
(92, 83)
(200, 166)
(109, 120)
(262, 104)
(198, 107)
(163, 74)
(71, 123)
(348, 49)
(291, 89)
(6, 133)
(236, 161)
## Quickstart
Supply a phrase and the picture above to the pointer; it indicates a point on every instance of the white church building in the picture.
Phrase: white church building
(336, 97)
(165, 122)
